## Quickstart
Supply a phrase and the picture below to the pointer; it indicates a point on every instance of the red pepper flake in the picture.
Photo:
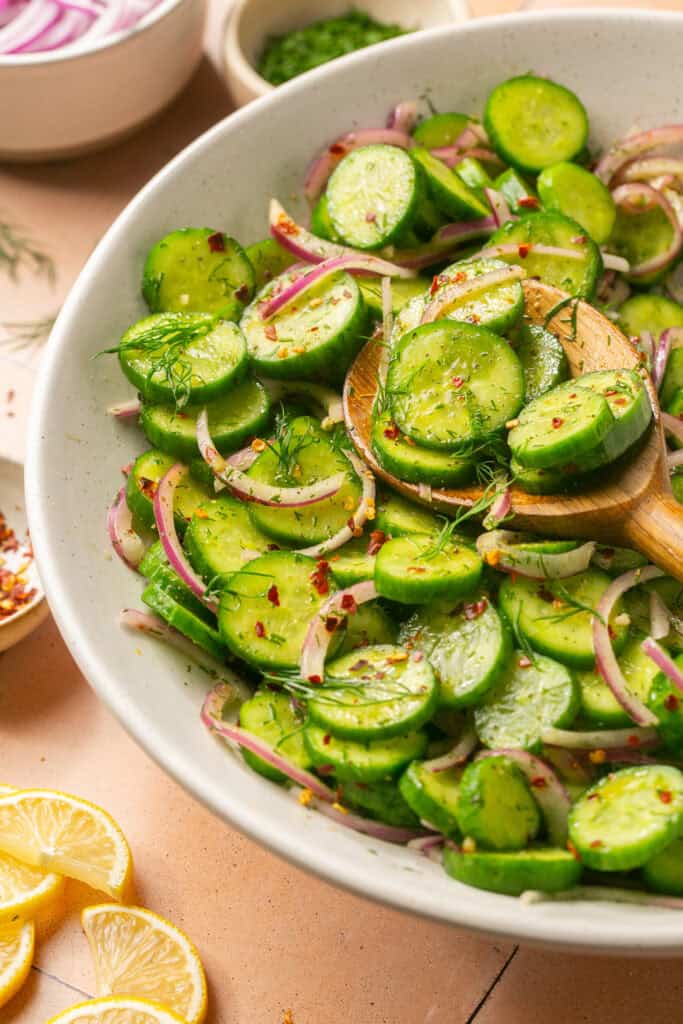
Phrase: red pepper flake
(458, 382)
(633, 741)
(610, 392)
(538, 782)
(523, 250)
(580, 240)
(434, 287)
(242, 293)
(319, 577)
(259, 629)
(416, 568)
(371, 217)
(557, 422)
(377, 539)
(597, 843)
(332, 623)
(148, 487)
(392, 432)
(524, 661)
(528, 203)
(475, 609)
(273, 596)
(620, 401)
(671, 702)
(286, 225)
(315, 679)
(348, 603)
(665, 795)
(270, 332)
(326, 739)
(612, 635)
(573, 394)
(572, 849)
(459, 277)
(325, 769)
(337, 149)
(216, 242)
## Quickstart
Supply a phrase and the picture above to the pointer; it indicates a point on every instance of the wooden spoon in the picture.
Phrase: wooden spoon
(632, 507)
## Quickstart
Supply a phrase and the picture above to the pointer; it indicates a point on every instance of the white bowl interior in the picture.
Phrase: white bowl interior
(626, 67)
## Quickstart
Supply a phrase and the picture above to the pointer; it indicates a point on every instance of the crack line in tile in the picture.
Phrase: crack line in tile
(489, 990)
(53, 977)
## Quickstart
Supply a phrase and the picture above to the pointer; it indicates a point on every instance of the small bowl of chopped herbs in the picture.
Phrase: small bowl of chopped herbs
(268, 44)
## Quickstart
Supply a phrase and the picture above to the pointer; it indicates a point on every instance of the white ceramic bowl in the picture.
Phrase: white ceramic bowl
(252, 22)
(70, 102)
(626, 66)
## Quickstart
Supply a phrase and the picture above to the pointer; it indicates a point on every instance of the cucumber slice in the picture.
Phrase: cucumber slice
(415, 570)
(221, 538)
(664, 873)
(474, 175)
(433, 796)
(362, 762)
(499, 308)
(616, 561)
(428, 220)
(142, 483)
(269, 631)
(185, 621)
(452, 196)
(543, 868)
(402, 291)
(302, 443)
(529, 697)
(578, 194)
(373, 195)
(181, 357)
(351, 563)
(534, 123)
(652, 313)
(467, 646)
(598, 703)
(271, 717)
(495, 806)
(315, 336)
(677, 487)
(543, 481)
(637, 603)
(672, 385)
(156, 568)
(451, 382)
(369, 626)
(666, 701)
(321, 225)
(440, 130)
(675, 408)
(198, 270)
(268, 259)
(543, 360)
(640, 235)
(415, 464)
(381, 801)
(627, 817)
(516, 191)
(398, 517)
(559, 426)
(382, 692)
(577, 276)
(233, 418)
(629, 403)
(555, 617)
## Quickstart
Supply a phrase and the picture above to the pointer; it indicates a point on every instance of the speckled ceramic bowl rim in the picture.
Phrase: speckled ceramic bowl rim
(625, 931)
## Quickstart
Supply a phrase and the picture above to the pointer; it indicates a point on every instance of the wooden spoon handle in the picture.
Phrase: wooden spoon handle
(655, 527)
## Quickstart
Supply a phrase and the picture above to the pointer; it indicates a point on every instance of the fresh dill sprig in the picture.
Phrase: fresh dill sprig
(574, 606)
(18, 253)
(287, 447)
(568, 300)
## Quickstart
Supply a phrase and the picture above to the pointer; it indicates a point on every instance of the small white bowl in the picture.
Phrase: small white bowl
(252, 22)
(12, 505)
(72, 101)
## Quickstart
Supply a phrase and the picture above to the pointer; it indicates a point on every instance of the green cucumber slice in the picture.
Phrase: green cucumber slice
(629, 403)
(534, 123)
(675, 408)
(516, 191)
(415, 464)
(143, 481)
(415, 570)
(198, 270)
(221, 538)
(615, 560)
(321, 225)
(543, 481)
(271, 717)
(529, 697)
(579, 194)
(627, 817)
(381, 801)
(399, 517)
(369, 626)
(402, 291)
(156, 568)
(351, 563)
(666, 701)
(382, 692)
(664, 873)
(672, 385)
(640, 235)
(473, 174)
(440, 130)
(498, 308)
(184, 620)
(433, 796)
(512, 873)
(362, 762)
(652, 313)
(268, 259)
(452, 196)
(543, 360)
(495, 806)
(598, 703)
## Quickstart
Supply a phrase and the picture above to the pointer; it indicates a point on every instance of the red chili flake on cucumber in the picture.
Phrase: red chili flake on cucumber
(524, 661)
(528, 203)
(557, 422)
(458, 382)
(270, 332)
(216, 242)
(315, 680)
(326, 739)
(538, 782)
(273, 596)
(377, 539)
(475, 609)
(665, 795)
(672, 702)
(392, 432)
(523, 250)
(259, 629)
(348, 604)
(319, 577)
(337, 149)
(332, 623)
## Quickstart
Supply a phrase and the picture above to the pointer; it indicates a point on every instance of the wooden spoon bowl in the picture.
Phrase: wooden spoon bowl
(632, 506)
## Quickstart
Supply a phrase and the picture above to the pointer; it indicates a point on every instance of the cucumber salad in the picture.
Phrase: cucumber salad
(508, 706)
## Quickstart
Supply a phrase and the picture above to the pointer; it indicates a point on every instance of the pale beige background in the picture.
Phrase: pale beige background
(272, 938)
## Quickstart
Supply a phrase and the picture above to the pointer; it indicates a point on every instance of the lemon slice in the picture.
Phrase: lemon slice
(136, 953)
(66, 835)
(117, 1010)
(25, 891)
(17, 942)
(4, 788)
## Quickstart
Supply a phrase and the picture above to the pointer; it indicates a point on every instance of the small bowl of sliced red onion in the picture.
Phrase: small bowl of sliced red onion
(77, 75)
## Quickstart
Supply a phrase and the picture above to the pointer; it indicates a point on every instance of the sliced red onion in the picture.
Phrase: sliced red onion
(368, 827)
(634, 146)
(661, 358)
(613, 290)
(663, 661)
(600, 739)
(464, 230)
(611, 261)
(499, 206)
(674, 283)
(605, 659)
(444, 243)
(659, 617)
(530, 247)
(244, 458)
(329, 400)
(467, 743)
(501, 548)
(646, 344)
(499, 511)
(127, 544)
(426, 844)
(552, 797)
(455, 154)
(164, 518)
(652, 168)
(322, 166)
(403, 117)
(452, 293)
(126, 410)
(357, 519)
(672, 425)
(255, 490)
(318, 637)
(296, 239)
(636, 198)
(602, 894)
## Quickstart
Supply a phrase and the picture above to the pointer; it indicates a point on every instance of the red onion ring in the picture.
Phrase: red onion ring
(446, 241)
(646, 344)
(659, 617)
(127, 544)
(451, 293)
(500, 548)
(322, 166)
(633, 146)
(126, 410)
(464, 230)
(499, 206)
(663, 662)
(318, 637)
(467, 743)
(403, 117)
(611, 261)
(329, 400)
(531, 247)
(550, 794)
(499, 511)
(455, 154)
(357, 519)
(662, 352)
(600, 739)
(646, 198)
(651, 168)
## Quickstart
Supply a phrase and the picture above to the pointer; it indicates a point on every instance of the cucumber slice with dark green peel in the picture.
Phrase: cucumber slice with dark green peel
(534, 123)
(369, 626)
(428, 220)
(269, 260)
(321, 225)
(579, 194)
(555, 616)
(627, 817)
(664, 873)
(629, 402)
(241, 413)
(185, 621)
(666, 700)
(559, 426)
(495, 806)
(541, 868)
(415, 464)
(417, 569)
(640, 235)
(467, 645)
(529, 697)
(408, 318)
(543, 481)
(498, 308)
(576, 275)
(272, 717)
(198, 270)
(402, 291)
(672, 383)
(473, 174)
(654, 313)
(316, 335)
(373, 195)
(398, 517)
(382, 692)
(452, 196)
(202, 473)
(637, 602)
(303, 444)
(616, 561)
(451, 382)
(675, 408)
(269, 631)
(381, 801)
(183, 357)
(543, 360)
(440, 130)
(156, 568)
(362, 762)
(351, 563)
(143, 481)
(599, 705)
(433, 796)
(221, 538)
(516, 191)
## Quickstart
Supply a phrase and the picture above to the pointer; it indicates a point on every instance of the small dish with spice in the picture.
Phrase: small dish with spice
(22, 602)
